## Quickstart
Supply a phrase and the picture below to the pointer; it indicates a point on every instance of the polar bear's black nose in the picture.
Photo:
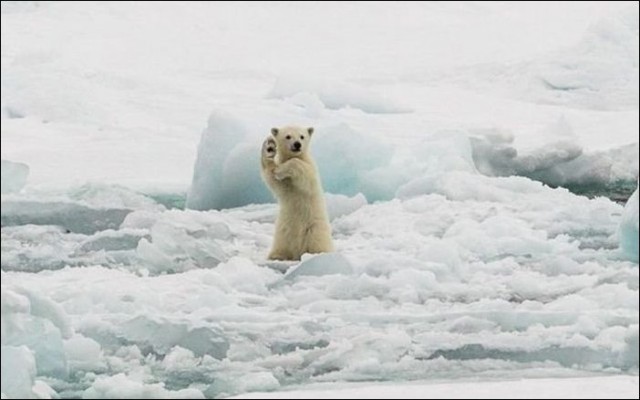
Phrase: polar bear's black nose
(297, 145)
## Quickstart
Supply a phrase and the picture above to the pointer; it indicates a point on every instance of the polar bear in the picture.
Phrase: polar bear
(291, 174)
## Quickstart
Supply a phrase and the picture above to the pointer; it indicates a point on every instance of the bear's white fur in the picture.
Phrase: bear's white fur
(291, 174)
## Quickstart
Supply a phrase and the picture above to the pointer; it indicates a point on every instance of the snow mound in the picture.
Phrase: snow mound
(14, 176)
(628, 231)
(334, 95)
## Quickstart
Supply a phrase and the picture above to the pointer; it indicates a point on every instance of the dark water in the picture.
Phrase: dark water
(170, 200)
(618, 191)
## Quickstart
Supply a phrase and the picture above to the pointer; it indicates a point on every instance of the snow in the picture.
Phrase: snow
(14, 176)
(628, 230)
(323, 264)
(61, 91)
(339, 205)
(464, 276)
(456, 258)
(599, 72)
(122, 387)
(597, 387)
(334, 95)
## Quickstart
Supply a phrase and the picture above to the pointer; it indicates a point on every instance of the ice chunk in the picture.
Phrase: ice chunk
(222, 155)
(161, 336)
(97, 195)
(227, 169)
(14, 176)
(558, 162)
(84, 354)
(111, 240)
(319, 265)
(241, 383)
(44, 247)
(36, 322)
(43, 307)
(628, 231)
(180, 359)
(71, 216)
(140, 219)
(336, 95)
(346, 159)
(42, 390)
(339, 205)
(179, 243)
(18, 372)
(121, 386)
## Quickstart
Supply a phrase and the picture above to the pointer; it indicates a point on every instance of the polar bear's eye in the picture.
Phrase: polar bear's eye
(288, 137)
(301, 137)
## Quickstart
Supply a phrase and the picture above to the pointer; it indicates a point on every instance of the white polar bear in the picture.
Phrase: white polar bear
(291, 174)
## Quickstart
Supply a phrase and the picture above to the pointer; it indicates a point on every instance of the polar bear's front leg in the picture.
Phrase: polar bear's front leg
(293, 168)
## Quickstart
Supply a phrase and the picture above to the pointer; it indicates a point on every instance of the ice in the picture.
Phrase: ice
(348, 161)
(259, 381)
(113, 240)
(352, 161)
(462, 276)
(586, 387)
(123, 387)
(18, 372)
(221, 147)
(335, 95)
(599, 72)
(33, 327)
(14, 176)
(628, 230)
(161, 336)
(180, 242)
(70, 216)
(227, 171)
(557, 163)
(324, 264)
(84, 354)
(339, 205)
(97, 195)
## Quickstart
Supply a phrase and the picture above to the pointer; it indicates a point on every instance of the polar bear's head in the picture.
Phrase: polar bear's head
(292, 141)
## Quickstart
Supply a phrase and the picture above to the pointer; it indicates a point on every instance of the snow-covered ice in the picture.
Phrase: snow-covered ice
(133, 257)
(618, 387)
(462, 276)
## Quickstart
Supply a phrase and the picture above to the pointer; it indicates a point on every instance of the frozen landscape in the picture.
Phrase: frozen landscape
(479, 161)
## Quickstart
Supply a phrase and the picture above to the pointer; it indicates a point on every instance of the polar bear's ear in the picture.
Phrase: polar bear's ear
(310, 130)
(274, 131)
